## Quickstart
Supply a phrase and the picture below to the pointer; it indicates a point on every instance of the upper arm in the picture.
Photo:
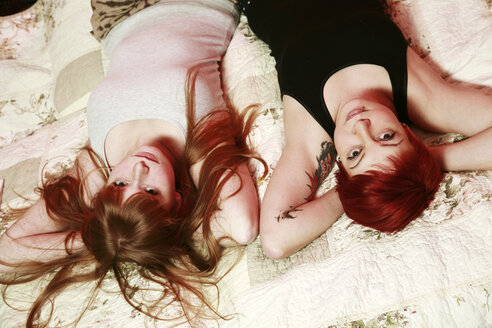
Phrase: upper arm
(290, 218)
(239, 210)
(439, 106)
(465, 110)
(307, 158)
(238, 214)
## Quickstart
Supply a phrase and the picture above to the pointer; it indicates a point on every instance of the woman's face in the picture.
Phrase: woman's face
(366, 134)
(147, 170)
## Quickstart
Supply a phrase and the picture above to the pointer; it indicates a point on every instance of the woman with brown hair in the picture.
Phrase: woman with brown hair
(164, 183)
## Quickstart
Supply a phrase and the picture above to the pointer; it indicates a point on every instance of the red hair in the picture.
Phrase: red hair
(389, 199)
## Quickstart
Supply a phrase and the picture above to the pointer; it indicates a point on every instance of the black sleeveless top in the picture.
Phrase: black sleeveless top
(313, 39)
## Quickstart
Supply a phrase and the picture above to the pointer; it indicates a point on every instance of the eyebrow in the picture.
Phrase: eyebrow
(382, 145)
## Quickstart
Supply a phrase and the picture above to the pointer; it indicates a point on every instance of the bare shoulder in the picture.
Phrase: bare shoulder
(89, 168)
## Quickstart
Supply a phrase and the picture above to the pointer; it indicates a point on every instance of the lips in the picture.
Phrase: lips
(148, 156)
(355, 112)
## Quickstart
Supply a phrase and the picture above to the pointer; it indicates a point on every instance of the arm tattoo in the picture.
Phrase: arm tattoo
(326, 161)
(288, 214)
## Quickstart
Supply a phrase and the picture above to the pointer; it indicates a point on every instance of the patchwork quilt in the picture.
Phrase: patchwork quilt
(437, 272)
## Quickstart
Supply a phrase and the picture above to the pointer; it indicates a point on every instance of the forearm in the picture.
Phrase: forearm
(40, 248)
(291, 230)
(29, 237)
(474, 153)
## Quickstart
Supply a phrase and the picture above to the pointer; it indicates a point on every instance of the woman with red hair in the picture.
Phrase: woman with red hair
(350, 84)
(164, 184)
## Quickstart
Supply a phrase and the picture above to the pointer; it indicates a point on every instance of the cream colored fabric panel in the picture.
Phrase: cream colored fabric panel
(77, 79)
(71, 38)
(75, 55)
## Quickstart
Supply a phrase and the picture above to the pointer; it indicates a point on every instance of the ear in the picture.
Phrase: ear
(179, 199)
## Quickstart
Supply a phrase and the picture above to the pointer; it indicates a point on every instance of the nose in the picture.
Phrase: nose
(140, 169)
(363, 129)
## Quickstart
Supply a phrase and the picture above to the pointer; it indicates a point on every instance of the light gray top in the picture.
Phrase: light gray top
(150, 55)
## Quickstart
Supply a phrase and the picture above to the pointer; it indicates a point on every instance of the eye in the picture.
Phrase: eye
(387, 135)
(119, 184)
(353, 154)
(151, 191)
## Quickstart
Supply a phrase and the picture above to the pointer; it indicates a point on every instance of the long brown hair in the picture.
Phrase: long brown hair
(138, 235)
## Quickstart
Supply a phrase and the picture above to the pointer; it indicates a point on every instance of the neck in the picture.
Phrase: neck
(361, 81)
(124, 139)
(171, 147)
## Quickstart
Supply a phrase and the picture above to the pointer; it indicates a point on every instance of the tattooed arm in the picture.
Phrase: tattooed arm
(291, 217)
(325, 164)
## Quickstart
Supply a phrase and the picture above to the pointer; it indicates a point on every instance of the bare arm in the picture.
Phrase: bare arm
(40, 247)
(438, 106)
(33, 237)
(288, 221)
(290, 216)
(474, 153)
(467, 111)
(238, 215)
(37, 237)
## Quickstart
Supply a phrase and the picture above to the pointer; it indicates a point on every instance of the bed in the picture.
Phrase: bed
(437, 272)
